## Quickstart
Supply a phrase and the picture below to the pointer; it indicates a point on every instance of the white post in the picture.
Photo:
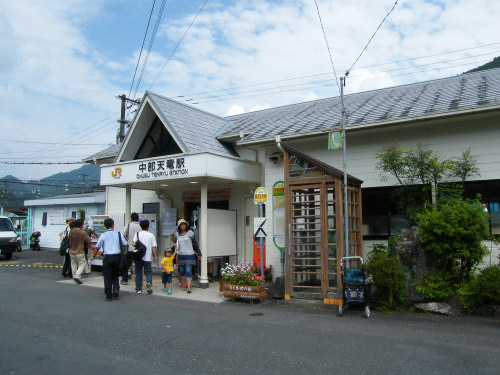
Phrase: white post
(128, 203)
(204, 235)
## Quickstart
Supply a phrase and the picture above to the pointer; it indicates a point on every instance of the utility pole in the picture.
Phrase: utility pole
(346, 206)
(83, 181)
(122, 121)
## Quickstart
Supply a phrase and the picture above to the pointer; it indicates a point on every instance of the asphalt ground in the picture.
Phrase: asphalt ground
(53, 327)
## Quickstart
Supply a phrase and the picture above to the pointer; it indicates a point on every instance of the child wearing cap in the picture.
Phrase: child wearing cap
(167, 266)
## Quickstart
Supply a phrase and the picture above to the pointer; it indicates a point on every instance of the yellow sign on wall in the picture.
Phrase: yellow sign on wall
(260, 195)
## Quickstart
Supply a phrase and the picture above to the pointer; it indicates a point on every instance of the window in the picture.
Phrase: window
(44, 218)
(151, 208)
(381, 215)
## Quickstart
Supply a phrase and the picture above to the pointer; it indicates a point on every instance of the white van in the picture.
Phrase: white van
(8, 237)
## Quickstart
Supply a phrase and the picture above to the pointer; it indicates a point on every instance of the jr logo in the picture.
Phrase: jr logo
(117, 173)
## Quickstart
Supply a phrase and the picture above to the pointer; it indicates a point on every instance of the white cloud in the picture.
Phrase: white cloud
(55, 80)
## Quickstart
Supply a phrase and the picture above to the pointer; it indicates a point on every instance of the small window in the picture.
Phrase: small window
(151, 208)
(44, 219)
(73, 214)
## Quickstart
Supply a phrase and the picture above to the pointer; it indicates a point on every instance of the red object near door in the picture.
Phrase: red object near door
(256, 252)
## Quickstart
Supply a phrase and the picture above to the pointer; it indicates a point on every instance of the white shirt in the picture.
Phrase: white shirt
(149, 240)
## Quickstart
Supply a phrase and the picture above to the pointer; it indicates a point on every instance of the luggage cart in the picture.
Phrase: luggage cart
(355, 289)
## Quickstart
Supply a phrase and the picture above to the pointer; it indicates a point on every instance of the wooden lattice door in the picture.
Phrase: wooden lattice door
(313, 240)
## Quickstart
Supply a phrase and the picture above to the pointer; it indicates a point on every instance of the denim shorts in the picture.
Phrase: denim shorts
(186, 271)
(166, 278)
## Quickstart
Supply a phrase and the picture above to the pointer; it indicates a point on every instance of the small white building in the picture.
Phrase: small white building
(49, 214)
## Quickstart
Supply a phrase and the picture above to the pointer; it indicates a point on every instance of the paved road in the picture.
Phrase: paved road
(48, 327)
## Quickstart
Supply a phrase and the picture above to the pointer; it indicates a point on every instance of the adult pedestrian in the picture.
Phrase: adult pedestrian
(90, 233)
(186, 246)
(149, 240)
(129, 232)
(111, 242)
(66, 271)
(77, 240)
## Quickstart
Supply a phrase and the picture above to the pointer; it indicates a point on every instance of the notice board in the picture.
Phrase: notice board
(221, 233)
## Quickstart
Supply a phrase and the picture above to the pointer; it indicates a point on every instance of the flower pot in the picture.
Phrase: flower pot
(247, 292)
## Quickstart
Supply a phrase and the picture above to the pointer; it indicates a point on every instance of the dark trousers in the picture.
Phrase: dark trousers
(125, 264)
(66, 271)
(111, 273)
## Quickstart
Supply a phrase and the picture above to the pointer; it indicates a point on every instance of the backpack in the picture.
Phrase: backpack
(64, 244)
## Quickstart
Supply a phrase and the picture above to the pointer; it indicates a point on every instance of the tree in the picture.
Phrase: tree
(425, 168)
(464, 166)
(452, 237)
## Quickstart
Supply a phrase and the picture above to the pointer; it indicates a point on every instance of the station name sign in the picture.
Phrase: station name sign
(162, 168)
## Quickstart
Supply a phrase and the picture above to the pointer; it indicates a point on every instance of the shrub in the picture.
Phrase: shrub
(389, 293)
(482, 290)
(239, 274)
(452, 235)
(435, 287)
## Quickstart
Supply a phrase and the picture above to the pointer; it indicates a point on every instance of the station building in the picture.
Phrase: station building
(179, 161)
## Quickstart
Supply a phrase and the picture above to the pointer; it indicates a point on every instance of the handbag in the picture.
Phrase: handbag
(140, 249)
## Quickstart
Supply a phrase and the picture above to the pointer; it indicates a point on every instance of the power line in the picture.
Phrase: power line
(53, 143)
(150, 46)
(178, 43)
(194, 95)
(327, 46)
(314, 86)
(142, 47)
(41, 163)
(364, 49)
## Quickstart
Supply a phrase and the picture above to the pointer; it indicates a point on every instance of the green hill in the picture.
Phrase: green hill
(13, 192)
(495, 63)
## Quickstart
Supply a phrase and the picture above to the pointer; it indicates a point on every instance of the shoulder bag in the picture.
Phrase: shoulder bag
(140, 249)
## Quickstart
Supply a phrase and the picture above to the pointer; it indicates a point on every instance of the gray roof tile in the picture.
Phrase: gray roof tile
(442, 96)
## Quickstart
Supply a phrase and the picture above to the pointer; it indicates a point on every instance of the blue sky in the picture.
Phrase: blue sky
(64, 62)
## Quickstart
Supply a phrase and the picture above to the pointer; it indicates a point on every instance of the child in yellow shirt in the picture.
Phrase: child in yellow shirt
(167, 266)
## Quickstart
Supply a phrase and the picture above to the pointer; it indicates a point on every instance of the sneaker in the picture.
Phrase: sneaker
(150, 288)
(124, 282)
(169, 292)
(165, 290)
(78, 281)
(139, 292)
(116, 295)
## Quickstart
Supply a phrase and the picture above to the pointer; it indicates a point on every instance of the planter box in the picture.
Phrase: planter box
(247, 292)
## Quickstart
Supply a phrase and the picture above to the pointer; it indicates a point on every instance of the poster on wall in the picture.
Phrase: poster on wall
(153, 222)
(57, 216)
(168, 220)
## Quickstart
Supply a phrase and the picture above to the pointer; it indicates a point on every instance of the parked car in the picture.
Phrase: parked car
(8, 237)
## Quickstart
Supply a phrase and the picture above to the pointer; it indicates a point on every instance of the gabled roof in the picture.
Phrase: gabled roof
(332, 171)
(196, 128)
(447, 96)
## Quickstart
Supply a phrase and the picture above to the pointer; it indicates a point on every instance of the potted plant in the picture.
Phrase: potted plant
(242, 282)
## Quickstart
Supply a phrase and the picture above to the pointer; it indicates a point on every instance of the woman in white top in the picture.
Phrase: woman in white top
(185, 246)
